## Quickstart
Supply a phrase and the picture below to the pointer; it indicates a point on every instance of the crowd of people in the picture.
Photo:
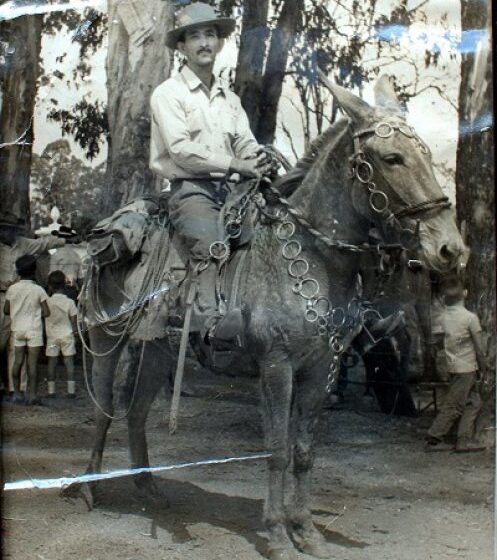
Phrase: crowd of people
(37, 313)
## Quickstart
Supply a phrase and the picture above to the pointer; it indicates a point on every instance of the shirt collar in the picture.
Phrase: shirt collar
(194, 82)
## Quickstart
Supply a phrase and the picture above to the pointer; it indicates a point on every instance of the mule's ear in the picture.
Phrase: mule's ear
(385, 95)
(358, 110)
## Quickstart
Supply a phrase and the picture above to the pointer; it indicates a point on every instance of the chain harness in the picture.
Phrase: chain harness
(331, 321)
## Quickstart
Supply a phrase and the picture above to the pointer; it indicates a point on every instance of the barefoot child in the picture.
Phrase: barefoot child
(61, 328)
(26, 304)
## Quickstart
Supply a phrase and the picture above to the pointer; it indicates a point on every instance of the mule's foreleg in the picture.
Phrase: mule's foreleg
(309, 398)
(152, 376)
(276, 384)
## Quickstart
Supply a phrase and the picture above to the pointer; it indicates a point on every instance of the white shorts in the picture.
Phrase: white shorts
(31, 339)
(61, 345)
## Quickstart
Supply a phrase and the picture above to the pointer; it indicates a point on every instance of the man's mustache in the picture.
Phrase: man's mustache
(204, 49)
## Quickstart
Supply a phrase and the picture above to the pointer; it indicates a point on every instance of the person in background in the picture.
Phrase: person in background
(61, 327)
(26, 305)
(14, 244)
(466, 362)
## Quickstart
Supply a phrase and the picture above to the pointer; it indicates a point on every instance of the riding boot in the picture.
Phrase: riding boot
(374, 331)
(216, 327)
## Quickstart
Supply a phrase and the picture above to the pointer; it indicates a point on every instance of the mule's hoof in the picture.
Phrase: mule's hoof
(311, 542)
(79, 490)
(149, 489)
(316, 549)
(281, 554)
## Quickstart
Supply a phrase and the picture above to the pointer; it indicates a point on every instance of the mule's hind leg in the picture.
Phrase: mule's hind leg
(276, 380)
(102, 378)
(310, 395)
(153, 376)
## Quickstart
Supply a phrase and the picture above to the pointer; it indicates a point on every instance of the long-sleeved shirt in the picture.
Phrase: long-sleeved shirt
(196, 132)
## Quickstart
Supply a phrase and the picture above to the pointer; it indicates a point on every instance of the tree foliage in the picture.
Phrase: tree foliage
(60, 179)
(86, 122)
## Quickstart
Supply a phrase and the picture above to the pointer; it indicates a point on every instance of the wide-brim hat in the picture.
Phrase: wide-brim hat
(195, 15)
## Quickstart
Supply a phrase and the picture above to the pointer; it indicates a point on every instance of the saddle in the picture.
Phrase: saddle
(128, 240)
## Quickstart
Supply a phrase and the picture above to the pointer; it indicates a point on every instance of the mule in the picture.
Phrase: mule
(299, 293)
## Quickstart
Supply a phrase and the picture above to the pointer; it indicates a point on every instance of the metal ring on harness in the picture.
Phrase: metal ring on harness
(285, 236)
(311, 315)
(354, 308)
(334, 322)
(309, 281)
(384, 130)
(407, 130)
(233, 229)
(281, 214)
(328, 305)
(294, 273)
(323, 321)
(218, 250)
(381, 204)
(364, 171)
(285, 250)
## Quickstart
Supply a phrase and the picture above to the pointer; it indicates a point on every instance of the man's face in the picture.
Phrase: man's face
(201, 45)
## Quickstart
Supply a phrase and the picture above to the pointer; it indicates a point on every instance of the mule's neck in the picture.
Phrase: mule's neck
(325, 196)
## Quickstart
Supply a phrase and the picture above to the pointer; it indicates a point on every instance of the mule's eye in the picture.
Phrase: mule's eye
(394, 159)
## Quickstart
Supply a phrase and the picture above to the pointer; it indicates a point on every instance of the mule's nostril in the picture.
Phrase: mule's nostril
(445, 253)
(448, 252)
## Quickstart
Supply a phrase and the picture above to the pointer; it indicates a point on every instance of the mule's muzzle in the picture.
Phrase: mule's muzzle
(450, 252)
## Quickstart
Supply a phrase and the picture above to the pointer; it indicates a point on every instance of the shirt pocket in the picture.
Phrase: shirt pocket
(228, 121)
(195, 120)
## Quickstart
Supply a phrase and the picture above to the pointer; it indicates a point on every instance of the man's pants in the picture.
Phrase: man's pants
(461, 402)
(194, 210)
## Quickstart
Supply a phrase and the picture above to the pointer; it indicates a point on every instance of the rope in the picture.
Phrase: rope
(135, 387)
(299, 217)
(127, 321)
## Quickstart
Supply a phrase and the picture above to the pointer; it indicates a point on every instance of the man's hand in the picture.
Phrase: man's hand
(254, 167)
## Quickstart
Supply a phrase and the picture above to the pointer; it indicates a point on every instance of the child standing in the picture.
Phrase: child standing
(26, 304)
(61, 327)
(465, 362)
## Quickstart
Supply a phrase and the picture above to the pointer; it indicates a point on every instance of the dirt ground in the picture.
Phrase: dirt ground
(377, 494)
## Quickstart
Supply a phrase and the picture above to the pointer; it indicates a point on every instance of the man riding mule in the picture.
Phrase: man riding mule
(298, 284)
(200, 137)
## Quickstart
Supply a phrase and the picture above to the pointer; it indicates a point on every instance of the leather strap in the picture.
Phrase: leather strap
(180, 367)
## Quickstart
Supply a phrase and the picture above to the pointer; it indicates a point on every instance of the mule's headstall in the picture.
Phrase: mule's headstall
(362, 170)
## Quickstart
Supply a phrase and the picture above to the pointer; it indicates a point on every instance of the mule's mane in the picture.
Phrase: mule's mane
(318, 149)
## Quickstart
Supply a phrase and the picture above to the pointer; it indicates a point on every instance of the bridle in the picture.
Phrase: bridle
(363, 171)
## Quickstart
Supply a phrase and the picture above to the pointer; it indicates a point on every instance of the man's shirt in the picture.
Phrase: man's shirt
(459, 326)
(25, 298)
(58, 323)
(196, 132)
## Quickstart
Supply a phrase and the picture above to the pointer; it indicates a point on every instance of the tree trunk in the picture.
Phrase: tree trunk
(281, 41)
(137, 61)
(19, 88)
(475, 173)
(251, 55)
